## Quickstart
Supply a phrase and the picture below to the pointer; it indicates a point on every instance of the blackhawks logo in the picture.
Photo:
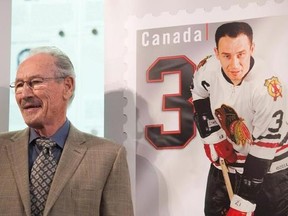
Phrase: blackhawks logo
(240, 132)
(233, 125)
(274, 87)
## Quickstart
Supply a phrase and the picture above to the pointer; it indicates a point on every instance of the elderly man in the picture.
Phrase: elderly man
(51, 168)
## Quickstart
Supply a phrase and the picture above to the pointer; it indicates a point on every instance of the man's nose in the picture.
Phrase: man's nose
(27, 89)
(234, 62)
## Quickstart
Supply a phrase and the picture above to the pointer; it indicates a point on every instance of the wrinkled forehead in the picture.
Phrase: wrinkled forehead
(42, 65)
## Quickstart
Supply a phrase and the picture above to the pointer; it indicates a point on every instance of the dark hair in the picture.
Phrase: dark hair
(233, 29)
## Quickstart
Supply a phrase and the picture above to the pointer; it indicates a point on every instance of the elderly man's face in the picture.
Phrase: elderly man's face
(234, 55)
(43, 104)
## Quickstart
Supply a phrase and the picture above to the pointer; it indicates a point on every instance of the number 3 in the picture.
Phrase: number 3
(179, 101)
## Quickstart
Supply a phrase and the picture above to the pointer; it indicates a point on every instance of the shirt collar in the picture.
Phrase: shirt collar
(59, 137)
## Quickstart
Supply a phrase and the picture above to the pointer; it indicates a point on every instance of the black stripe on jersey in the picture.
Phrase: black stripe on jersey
(280, 157)
(270, 136)
(285, 139)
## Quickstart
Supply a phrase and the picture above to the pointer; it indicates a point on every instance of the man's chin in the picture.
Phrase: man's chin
(33, 124)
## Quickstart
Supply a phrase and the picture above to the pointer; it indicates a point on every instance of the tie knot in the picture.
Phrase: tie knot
(45, 143)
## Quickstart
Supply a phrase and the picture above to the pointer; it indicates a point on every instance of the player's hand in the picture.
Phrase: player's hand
(225, 150)
(241, 207)
(219, 146)
(234, 127)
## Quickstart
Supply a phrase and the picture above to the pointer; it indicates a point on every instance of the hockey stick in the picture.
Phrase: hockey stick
(226, 177)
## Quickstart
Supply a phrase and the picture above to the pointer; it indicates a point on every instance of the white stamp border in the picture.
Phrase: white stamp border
(181, 18)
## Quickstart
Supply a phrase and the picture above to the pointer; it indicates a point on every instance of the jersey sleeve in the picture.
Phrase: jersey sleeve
(268, 126)
(269, 119)
(204, 118)
(269, 133)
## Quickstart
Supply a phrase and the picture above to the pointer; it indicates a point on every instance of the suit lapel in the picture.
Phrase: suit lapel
(71, 157)
(18, 156)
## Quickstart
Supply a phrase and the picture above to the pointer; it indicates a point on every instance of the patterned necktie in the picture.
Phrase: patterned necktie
(41, 176)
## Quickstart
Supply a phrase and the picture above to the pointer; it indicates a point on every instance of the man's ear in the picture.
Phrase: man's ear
(216, 52)
(69, 86)
(252, 48)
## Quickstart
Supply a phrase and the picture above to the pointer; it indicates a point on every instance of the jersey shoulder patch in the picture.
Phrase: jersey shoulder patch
(203, 61)
(274, 87)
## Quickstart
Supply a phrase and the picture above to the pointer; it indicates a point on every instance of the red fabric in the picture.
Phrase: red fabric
(234, 212)
(225, 150)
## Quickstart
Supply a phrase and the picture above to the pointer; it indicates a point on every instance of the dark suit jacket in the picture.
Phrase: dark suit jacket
(92, 177)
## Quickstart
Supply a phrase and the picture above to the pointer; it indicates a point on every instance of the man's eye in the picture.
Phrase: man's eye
(241, 55)
(36, 82)
(19, 84)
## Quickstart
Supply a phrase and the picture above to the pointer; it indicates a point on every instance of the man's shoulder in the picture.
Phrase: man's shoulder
(7, 138)
(11, 134)
(210, 62)
(93, 140)
(208, 68)
(100, 140)
(259, 73)
(101, 144)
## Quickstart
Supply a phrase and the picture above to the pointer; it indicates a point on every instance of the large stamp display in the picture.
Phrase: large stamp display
(162, 55)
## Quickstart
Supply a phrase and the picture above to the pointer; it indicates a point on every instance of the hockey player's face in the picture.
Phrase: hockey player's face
(234, 55)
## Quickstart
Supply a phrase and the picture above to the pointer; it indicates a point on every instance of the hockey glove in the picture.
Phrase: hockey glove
(216, 145)
(248, 185)
(241, 207)
(234, 127)
(220, 147)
